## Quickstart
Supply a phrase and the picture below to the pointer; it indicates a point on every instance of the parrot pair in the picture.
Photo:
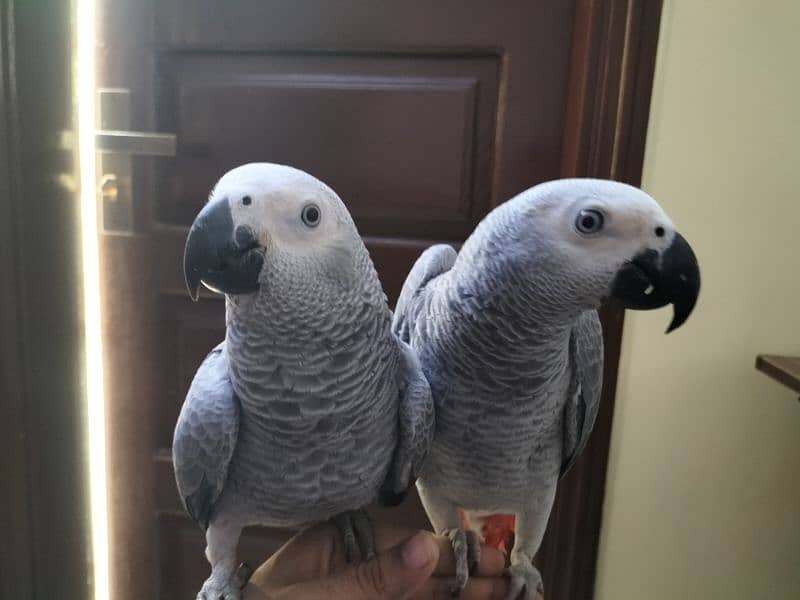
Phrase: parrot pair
(319, 402)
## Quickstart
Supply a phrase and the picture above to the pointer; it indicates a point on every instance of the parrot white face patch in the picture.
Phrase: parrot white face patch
(286, 208)
(599, 224)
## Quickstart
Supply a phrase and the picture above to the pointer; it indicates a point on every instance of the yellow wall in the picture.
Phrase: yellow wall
(703, 497)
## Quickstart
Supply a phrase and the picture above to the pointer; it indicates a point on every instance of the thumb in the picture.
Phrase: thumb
(393, 575)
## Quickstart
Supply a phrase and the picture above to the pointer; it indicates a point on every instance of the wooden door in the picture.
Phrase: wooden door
(422, 116)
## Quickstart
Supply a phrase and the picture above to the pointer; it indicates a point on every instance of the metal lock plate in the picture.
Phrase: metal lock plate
(116, 145)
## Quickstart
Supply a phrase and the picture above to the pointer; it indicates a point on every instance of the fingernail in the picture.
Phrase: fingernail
(418, 551)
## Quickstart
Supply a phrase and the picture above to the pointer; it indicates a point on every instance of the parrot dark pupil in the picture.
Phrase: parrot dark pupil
(310, 215)
(247, 200)
(589, 221)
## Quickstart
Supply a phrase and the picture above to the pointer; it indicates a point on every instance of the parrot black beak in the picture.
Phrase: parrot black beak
(223, 259)
(652, 280)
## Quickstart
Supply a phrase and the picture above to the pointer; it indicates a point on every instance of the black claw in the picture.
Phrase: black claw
(243, 574)
(473, 552)
(350, 548)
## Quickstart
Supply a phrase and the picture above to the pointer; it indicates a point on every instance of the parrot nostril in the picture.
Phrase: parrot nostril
(660, 231)
(245, 238)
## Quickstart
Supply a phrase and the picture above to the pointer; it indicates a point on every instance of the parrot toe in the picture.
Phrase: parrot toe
(242, 575)
(212, 591)
(525, 582)
(473, 551)
(459, 540)
(362, 525)
(355, 528)
(344, 524)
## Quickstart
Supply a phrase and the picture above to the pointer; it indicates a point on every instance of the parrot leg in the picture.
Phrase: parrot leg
(526, 581)
(446, 521)
(363, 528)
(356, 531)
(222, 536)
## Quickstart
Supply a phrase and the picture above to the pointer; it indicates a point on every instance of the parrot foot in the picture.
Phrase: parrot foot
(216, 590)
(355, 528)
(219, 587)
(526, 582)
(467, 551)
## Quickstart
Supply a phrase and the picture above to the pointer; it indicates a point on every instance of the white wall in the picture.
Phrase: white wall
(703, 497)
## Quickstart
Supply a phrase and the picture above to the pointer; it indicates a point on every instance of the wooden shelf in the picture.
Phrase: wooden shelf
(785, 369)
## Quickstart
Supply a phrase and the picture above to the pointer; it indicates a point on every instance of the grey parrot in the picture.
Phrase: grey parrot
(311, 408)
(509, 339)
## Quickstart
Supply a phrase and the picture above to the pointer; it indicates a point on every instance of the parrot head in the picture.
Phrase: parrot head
(606, 239)
(255, 213)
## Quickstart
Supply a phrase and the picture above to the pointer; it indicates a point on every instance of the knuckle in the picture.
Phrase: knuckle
(441, 588)
(371, 577)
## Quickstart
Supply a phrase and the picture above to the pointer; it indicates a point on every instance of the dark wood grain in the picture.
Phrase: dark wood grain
(784, 369)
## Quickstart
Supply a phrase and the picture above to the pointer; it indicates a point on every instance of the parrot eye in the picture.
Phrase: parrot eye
(247, 200)
(310, 215)
(589, 221)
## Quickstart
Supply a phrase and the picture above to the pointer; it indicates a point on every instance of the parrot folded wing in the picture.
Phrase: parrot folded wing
(205, 437)
(580, 411)
(415, 428)
(433, 262)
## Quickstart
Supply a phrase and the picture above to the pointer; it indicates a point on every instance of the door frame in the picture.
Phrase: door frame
(604, 137)
(44, 514)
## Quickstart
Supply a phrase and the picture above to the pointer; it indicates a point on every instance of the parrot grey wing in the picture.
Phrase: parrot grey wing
(433, 262)
(416, 424)
(205, 437)
(580, 411)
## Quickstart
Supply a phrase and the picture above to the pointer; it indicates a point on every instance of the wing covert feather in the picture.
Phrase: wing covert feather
(205, 437)
(580, 411)
(431, 263)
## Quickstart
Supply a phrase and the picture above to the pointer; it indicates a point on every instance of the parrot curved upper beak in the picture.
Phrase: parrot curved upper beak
(224, 259)
(652, 280)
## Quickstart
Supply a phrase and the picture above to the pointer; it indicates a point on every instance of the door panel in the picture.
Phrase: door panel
(422, 116)
(410, 125)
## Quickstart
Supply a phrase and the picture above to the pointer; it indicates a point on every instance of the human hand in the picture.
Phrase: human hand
(409, 564)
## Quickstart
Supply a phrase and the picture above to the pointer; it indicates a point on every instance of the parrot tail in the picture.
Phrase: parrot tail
(497, 531)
